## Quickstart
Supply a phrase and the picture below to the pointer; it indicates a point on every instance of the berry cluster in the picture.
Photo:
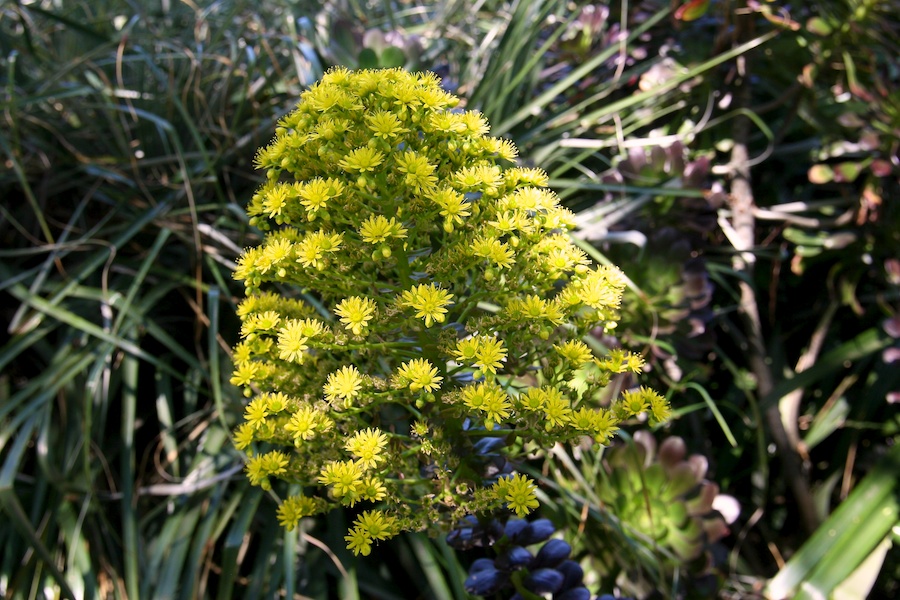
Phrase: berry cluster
(516, 568)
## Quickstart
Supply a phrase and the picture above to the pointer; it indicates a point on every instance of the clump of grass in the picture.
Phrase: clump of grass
(128, 136)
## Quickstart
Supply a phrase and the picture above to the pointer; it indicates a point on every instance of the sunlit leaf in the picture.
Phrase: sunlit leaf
(820, 174)
(692, 10)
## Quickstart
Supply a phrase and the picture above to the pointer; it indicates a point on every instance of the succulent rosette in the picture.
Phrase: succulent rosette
(660, 496)
(415, 292)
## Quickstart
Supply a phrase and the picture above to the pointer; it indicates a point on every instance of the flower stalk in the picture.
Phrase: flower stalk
(399, 214)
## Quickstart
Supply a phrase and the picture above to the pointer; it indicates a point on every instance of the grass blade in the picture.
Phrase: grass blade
(846, 538)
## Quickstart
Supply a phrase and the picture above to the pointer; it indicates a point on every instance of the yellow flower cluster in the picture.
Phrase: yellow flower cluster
(414, 292)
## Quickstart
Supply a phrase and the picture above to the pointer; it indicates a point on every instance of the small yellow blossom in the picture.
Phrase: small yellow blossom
(345, 478)
(604, 425)
(292, 342)
(466, 349)
(453, 205)
(295, 508)
(488, 398)
(245, 373)
(385, 125)
(367, 445)
(519, 493)
(371, 525)
(634, 402)
(359, 541)
(243, 436)
(429, 301)
(362, 160)
(575, 352)
(303, 424)
(315, 246)
(373, 489)
(256, 412)
(343, 384)
(316, 193)
(355, 313)
(377, 229)
(377, 524)
(557, 411)
(490, 354)
(418, 172)
(495, 251)
(420, 375)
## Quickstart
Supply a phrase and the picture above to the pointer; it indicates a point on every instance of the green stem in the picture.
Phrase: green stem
(403, 268)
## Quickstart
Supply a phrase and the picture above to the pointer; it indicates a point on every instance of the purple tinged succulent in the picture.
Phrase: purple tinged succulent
(662, 493)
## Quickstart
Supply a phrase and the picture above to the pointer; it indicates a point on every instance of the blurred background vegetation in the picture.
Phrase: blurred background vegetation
(739, 160)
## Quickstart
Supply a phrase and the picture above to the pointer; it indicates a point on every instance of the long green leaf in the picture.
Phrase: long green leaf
(846, 538)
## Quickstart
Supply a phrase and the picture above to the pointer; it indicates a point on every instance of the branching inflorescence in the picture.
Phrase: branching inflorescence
(416, 292)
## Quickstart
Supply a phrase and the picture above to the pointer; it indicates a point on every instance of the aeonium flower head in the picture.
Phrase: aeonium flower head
(412, 278)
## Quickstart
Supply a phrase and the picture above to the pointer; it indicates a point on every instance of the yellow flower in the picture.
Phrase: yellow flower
(452, 203)
(466, 349)
(475, 123)
(418, 171)
(373, 489)
(420, 375)
(359, 541)
(494, 251)
(276, 199)
(575, 352)
(295, 508)
(377, 229)
(362, 160)
(504, 149)
(345, 478)
(621, 361)
(634, 402)
(243, 436)
(245, 373)
(343, 384)
(529, 176)
(275, 462)
(385, 124)
(533, 400)
(256, 412)
(366, 445)
(378, 525)
(489, 399)
(660, 410)
(312, 249)
(260, 467)
(316, 193)
(519, 493)
(429, 302)
(600, 289)
(604, 425)
(556, 409)
(292, 342)
(490, 354)
(355, 313)
(303, 424)
(276, 402)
